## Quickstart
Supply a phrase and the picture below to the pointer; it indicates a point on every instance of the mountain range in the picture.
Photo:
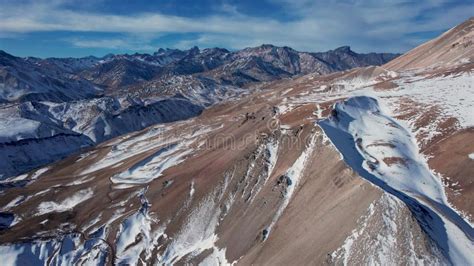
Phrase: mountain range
(67, 104)
(263, 156)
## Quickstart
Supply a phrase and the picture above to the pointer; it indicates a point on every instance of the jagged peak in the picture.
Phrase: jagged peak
(216, 49)
(266, 46)
(195, 49)
(343, 49)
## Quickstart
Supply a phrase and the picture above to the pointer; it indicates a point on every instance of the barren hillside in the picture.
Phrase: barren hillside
(366, 166)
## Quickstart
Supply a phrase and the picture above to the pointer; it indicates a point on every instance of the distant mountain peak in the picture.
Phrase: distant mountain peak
(194, 50)
(109, 55)
(267, 46)
(217, 49)
(343, 49)
(3, 53)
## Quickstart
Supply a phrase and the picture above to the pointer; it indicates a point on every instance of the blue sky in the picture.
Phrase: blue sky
(96, 27)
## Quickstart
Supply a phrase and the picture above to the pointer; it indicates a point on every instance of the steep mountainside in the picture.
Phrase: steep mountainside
(364, 166)
(455, 47)
(23, 80)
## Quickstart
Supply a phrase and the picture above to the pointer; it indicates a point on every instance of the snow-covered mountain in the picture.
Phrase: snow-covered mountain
(89, 100)
(371, 165)
(23, 79)
(266, 62)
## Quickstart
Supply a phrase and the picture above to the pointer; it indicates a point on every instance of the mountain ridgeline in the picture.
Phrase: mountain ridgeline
(66, 104)
(66, 79)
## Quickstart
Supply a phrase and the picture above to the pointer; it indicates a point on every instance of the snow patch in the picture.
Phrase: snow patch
(153, 166)
(65, 205)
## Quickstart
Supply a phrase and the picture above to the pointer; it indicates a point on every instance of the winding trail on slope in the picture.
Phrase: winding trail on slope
(365, 137)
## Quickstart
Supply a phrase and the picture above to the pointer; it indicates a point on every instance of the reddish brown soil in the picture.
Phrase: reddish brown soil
(450, 159)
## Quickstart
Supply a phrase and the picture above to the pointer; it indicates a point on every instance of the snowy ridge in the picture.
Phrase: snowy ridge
(292, 176)
(137, 226)
(134, 238)
(385, 241)
(77, 248)
(389, 158)
(198, 234)
(66, 250)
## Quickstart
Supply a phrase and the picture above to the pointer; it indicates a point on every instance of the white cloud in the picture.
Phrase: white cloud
(366, 25)
(123, 44)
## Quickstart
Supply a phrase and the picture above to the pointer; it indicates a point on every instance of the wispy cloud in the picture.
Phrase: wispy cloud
(367, 25)
(117, 44)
